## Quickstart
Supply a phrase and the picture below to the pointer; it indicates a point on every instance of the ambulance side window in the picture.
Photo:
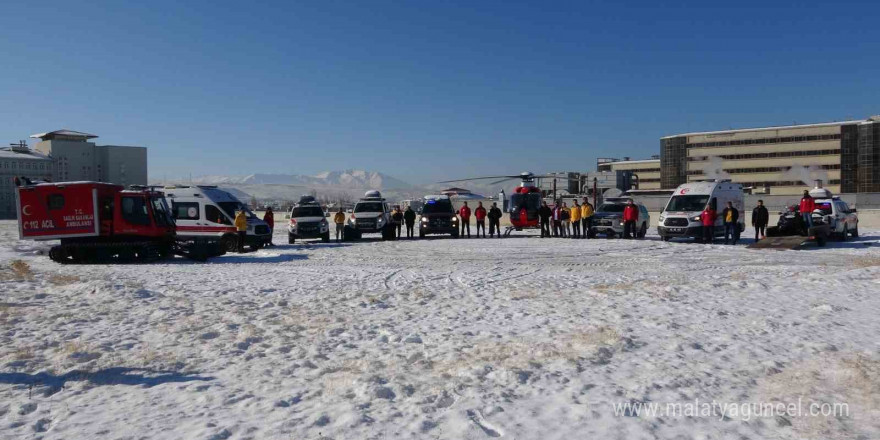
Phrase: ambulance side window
(55, 201)
(134, 211)
(212, 213)
(185, 211)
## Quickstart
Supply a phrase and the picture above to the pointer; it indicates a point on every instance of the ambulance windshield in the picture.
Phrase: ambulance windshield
(230, 208)
(687, 203)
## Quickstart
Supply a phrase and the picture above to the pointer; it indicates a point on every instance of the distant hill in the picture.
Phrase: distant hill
(345, 184)
(348, 179)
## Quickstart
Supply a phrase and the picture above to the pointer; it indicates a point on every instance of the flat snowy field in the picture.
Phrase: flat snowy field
(517, 338)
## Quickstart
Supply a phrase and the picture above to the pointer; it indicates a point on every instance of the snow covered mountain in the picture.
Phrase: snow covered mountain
(347, 179)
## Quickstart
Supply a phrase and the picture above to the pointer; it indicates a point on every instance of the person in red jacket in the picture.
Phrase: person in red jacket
(707, 218)
(630, 217)
(465, 214)
(806, 207)
(269, 218)
(480, 215)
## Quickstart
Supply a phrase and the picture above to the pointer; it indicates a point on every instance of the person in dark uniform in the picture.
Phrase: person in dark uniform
(495, 221)
(760, 218)
(544, 214)
(409, 217)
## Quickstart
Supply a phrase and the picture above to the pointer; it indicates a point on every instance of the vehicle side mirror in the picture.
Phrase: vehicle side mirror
(852, 211)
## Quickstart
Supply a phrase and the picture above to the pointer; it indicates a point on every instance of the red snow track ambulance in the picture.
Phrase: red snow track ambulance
(100, 222)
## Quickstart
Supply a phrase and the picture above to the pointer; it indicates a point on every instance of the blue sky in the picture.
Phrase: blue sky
(426, 90)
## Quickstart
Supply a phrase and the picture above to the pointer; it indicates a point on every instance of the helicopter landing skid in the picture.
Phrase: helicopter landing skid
(508, 230)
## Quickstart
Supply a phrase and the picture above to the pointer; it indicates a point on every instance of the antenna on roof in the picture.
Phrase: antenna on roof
(20, 146)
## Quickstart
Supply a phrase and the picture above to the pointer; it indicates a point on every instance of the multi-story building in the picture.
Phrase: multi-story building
(779, 160)
(77, 158)
(646, 172)
(19, 161)
(66, 155)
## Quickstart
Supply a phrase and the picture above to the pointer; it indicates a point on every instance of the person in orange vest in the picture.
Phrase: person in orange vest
(269, 218)
(465, 214)
(339, 221)
(241, 228)
(480, 215)
(707, 218)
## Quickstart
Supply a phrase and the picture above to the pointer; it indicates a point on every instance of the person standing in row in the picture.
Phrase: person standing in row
(575, 220)
(731, 224)
(564, 217)
(480, 216)
(630, 217)
(495, 221)
(465, 214)
(339, 220)
(397, 218)
(557, 219)
(269, 218)
(587, 217)
(544, 215)
(241, 228)
(760, 218)
(707, 218)
(806, 207)
(409, 217)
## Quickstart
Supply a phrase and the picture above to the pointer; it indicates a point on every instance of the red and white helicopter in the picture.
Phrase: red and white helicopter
(525, 200)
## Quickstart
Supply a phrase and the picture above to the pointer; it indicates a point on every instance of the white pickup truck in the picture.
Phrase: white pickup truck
(843, 221)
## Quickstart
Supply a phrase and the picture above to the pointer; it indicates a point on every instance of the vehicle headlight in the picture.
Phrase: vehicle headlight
(696, 218)
(662, 217)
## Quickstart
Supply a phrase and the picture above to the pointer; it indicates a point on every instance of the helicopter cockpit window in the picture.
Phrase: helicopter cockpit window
(531, 202)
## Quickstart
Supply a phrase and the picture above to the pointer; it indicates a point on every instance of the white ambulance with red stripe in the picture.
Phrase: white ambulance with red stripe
(207, 211)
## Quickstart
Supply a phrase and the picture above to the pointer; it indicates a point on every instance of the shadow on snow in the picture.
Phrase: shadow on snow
(108, 376)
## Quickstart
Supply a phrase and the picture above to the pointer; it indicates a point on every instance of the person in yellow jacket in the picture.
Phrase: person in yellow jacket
(241, 227)
(339, 220)
(587, 217)
(575, 220)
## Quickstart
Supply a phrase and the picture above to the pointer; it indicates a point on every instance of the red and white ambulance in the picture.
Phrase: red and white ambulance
(207, 211)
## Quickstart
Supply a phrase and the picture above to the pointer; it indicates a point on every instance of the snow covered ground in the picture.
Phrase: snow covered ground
(451, 339)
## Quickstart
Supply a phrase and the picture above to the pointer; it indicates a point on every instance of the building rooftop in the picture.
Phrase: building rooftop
(631, 161)
(63, 133)
(10, 153)
(771, 128)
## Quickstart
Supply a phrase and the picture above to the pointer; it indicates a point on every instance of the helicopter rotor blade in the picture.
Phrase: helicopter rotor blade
(554, 176)
(480, 178)
(502, 180)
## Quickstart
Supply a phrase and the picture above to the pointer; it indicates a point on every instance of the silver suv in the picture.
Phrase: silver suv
(371, 215)
(608, 219)
(307, 220)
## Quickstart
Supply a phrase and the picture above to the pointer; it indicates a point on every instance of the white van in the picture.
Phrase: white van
(206, 211)
(681, 216)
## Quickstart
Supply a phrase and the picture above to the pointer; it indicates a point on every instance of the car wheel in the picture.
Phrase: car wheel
(609, 234)
(230, 243)
(845, 235)
(665, 238)
(855, 232)
(326, 237)
(290, 239)
(821, 240)
(643, 231)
